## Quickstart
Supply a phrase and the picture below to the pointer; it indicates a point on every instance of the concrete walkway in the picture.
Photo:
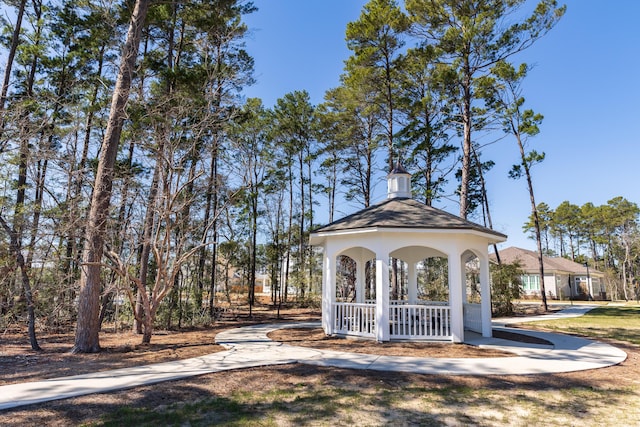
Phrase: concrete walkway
(250, 347)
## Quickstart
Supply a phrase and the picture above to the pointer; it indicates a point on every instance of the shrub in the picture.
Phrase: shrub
(506, 286)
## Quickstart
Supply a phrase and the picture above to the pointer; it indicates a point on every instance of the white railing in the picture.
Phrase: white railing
(405, 302)
(406, 321)
(473, 317)
(420, 322)
(391, 302)
(357, 319)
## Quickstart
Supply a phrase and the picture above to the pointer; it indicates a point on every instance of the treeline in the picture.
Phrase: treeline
(606, 237)
(209, 187)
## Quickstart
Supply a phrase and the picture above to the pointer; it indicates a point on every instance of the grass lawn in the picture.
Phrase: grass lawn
(614, 322)
(313, 396)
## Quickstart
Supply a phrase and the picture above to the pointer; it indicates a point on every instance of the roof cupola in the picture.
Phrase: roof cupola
(398, 182)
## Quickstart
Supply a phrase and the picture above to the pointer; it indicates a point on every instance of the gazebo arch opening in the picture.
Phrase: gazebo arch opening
(414, 274)
(355, 277)
(418, 294)
(429, 286)
(346, 279)
(473, 293)
(433, 280)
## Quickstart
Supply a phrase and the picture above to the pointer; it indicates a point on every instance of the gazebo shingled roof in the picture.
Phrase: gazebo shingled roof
(404, 213)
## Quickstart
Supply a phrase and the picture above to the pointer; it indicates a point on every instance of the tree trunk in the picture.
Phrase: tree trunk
(77, 181)
(15, 40)
(310, 227)
(485, 200)
(145, 249)
(202, 255)
(253, 250)
(536, 222)
(26, 284)
(214, 249)
(301, 251)
(86, 339)
(624, 266)
(289, 238)
(147, 330)
(466, 145)
(16, 233)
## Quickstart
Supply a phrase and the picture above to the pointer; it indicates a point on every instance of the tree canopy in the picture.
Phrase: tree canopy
(192, 192)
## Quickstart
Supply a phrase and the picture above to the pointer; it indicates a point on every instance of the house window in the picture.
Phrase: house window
(530, 283)
(597, 284)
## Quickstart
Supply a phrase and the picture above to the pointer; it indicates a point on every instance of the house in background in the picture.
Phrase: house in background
(563, 278)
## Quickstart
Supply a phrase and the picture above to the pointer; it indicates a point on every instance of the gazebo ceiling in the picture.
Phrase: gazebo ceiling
(404, 213)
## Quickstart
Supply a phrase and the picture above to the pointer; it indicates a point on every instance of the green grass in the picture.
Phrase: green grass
(615, 322)
(235, 411)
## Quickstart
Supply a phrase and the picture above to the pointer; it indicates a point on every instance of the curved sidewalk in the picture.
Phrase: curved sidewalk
(566, 354)
(250, 347)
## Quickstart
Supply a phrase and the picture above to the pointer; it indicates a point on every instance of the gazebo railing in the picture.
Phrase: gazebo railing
(357, 319)
(420, 322)
(406, 321)
(405, 302)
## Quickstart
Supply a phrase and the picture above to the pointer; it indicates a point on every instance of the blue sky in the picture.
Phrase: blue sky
(584, 82)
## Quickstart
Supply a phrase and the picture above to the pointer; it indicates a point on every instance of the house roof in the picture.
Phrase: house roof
(405, 213)
(529, 262)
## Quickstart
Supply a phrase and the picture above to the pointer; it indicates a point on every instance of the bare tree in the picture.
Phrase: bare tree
(170, 239)
(16, 250)
(15, 40)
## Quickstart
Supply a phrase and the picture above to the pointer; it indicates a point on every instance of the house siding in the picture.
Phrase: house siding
(564, 279)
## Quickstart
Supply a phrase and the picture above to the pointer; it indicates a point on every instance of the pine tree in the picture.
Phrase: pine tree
(470, 38)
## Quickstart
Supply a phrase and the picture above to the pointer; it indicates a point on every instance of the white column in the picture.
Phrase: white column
(382, 296)
(360, 279)
(413, 282)
(328, 292)
(456, 297)
(485, 294)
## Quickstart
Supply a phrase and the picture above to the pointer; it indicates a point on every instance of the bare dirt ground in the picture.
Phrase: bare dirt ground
(18, 363)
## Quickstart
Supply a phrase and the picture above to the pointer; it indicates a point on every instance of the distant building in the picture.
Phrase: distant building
(563, 278)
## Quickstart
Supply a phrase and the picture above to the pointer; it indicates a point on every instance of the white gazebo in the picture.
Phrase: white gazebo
(405, 229)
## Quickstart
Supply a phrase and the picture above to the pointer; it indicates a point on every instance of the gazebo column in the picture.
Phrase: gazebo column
(382, 296)
(485, 295)
(412, 284)
(328, 292)
(360, 279)
(456, 297)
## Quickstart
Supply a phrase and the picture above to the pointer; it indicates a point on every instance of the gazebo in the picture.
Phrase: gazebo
(400, 228)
